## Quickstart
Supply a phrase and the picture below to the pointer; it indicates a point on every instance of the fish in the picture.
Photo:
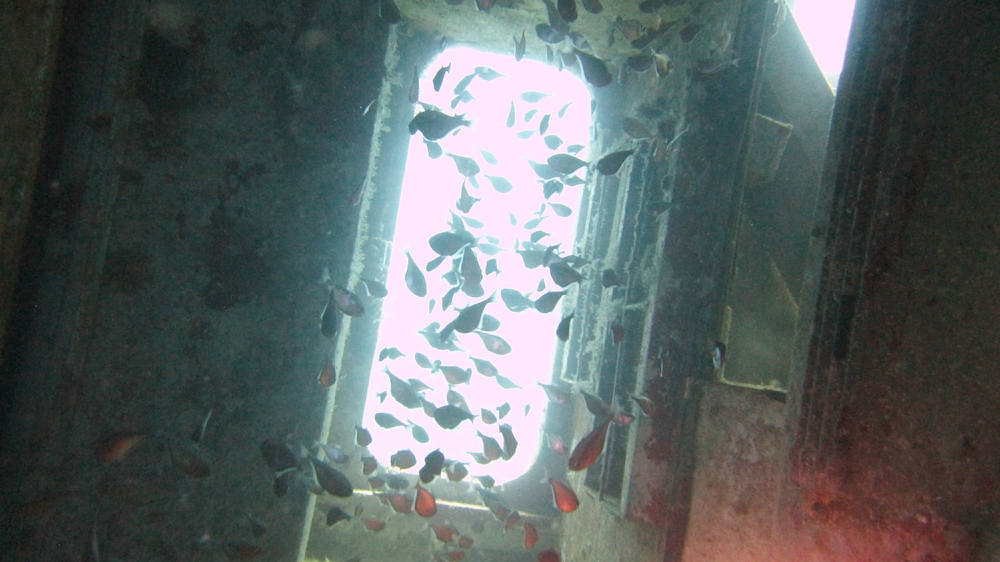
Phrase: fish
(331, 479)
(510, 116)
(387, 421)
(336, 515)
(199, 431)
(560, 210)
(439, 77)
(456, 471)
(489, 324)
(466, 201)
(363, 437)
(552, 187)
(402, 392)
(419, 434)
(418, 385)
(433, 463)
(373, 524)
(433, 149)
(534, 97)
(115, 448)
(647, 406)
(530, 536)
(548, 34)
(555, 394)
(375, 289)
(469, 317)
(563, 274)
(334, 453)
(506, 383)
(396, 482)
(611, 163)
(368, 465)
(635, 129)
(494, 344)
(389, 12)
(328, 375)
(718, 355)
(424, 505)
(423, 361)
(662, 63)
(389, 353)
(403, 459)
(520, 47)
(610, 278)
(415, 278)
(480, 458)
(456, 399)
(543, 125)
(347, 302)
(567, 10)
(491, 448)
(509, 442)
(617, 333)
(444, 532)
(433, 338)
(450, 242)
(488, 157)
(593, 6)
(280, 484)
(278, 456)
(472, 274)
(562, 331)
(515, 301)
(595, 71)
(376, 482)
(589, 448)
(398, 502)
(450, 555)
(487, 73)
(449, 417)
(547, 302)
(503, 410)
(330, 318)
(564, 496)
(549, 555)
(574, 148)
(484, 367)
(512, 520)
(556, 444)
(188, 460)
(435, 125)
(690, 32)
(465, 165)
(455, 375)
(487, 416)
(414, 94)
(623, 419)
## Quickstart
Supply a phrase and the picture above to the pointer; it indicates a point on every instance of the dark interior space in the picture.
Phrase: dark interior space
(806, 293)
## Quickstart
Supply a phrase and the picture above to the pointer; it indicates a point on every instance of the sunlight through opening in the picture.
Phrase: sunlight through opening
(826, 25)
(501, 221)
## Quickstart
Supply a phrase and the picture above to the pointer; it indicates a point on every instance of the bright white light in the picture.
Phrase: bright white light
(826, 24)
(431, 188)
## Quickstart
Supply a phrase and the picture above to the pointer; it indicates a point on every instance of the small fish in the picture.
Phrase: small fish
(549, 555)
(373, 524)
(610, 278)
(555, 394)
(489, 157)
(398, 502)
(574, 148)
(457, 400)
(115, 448)
(414, 93)
(455, 375)
(402, 392)
(396, 482)
(611, 163)
(491, 448)
(487, 416)
(387, 421)
(480, 458)
(376, 482)
(647, 406)
(389, 12)
(368, 465)
(547, 302)
(466, 201)
(465, 542)
(562, 332)
(509, 441)
(188, 460)
(564, 496)
(449, 417)
(363, 437)
(435, 125)
(617, 333)
(563, 274)
(690, 32)
(415, 278)
(439, 77)
(589, 448)
(449, 243)
(456, 471)
(433, 338)
(424, 505)
(512, 520)
(472, 275)
(347, 302)
(595, 405)
(561, 210)
(503, 410)
(506, 383)
(423, 361)
(662, 63)
(530, 536)
(328, 375)
(375, 289)
(534, 97)
(330, 318)
(567, 10)
(543, 125)
(469, 318)
(718, 355)
(403, 459)
(635, 129)
(199, 431)
(381, 396)
(494, 344)
(419, 434)
(519, 47)
(484, 367)
(487, 73)
(451, 555)
(510, 116)
(444, 532)
(331, 479)
(433, 463)
(433, 149)
(280, 484)
(336, 515)
(593, 6)
(500, 185)
(334, 453)
(594, 69)
(371, 105)
(557, 444)
(390, 353)
(548, 34)
(278, 456)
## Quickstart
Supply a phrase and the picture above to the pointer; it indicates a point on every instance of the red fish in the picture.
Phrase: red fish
(565, 497)
(549, 556)
(117, 447)
(425, 506)
(556, 395)
(444, 532)
(368, 465)
(373, 524)
(465, 543)
(530, 536)
(589, 448)
(491, 449)
(512, 520)
(557, 444)
(399, 502)
(450, 555)
(328, 375)
(456, 471)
